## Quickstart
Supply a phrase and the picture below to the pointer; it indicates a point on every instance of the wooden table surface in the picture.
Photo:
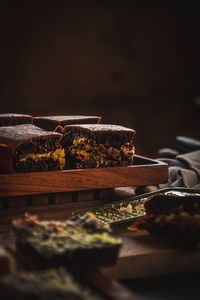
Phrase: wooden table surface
(179, 286)
(183, 286)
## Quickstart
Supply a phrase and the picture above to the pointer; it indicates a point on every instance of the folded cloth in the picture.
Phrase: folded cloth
(191, 176)
(184, 171)
(183, 145)
(192, 159)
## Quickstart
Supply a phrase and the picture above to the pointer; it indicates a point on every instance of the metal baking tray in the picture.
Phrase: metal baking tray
(127, 210)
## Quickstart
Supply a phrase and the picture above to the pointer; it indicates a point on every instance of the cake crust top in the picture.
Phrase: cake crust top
(101, 128)
(13, 136)
(11, 115)
(66, 118)
(24, 132)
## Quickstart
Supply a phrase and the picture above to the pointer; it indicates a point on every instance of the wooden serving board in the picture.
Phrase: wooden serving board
(145, 256)
(105, 285)
(145, 171)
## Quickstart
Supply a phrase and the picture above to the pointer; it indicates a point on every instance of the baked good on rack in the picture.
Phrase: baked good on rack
(27, 148)
(173, 217)
(98, 145)
(83, 240)
(14, 119)
(52, 284)
(51, 122)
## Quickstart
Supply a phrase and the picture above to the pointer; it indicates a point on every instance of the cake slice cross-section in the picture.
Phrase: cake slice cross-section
(98, 145)
(79, 241)
(172, 217)
(27, 148)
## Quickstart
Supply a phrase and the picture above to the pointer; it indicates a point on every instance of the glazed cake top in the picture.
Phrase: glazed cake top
(66, 118)
(24, 132)
(101, 128)
(115, 135)
(11, 115)
(13, 136)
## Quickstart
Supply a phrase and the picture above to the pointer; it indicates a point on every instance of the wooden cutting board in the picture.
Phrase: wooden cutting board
(103, 284)
(144, 171)
(144, 256)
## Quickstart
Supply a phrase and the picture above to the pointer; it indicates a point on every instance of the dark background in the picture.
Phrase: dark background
(136, 63)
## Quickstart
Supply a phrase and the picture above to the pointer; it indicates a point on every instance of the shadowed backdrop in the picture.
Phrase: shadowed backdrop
(133, 63)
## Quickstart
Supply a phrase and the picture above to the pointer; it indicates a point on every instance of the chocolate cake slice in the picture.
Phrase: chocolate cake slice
(176, 218)
(81, 241)
(98, 145)
(14, 119)
(52, 284)
(27, 148)
(51, 122)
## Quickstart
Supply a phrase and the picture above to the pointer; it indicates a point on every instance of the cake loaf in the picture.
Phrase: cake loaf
(51, 284)
(27, 148)
(14, 119)
(176, 218)
(81, 241)
(51, 122)
(98, 145)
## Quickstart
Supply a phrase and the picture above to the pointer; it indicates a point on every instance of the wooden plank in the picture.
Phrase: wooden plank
(104, 194)
(85, 196)
(54, 211)
(146, 256)
(107, 285)
(144, 172)
(63, 198)
(16, 201)
(39, 199)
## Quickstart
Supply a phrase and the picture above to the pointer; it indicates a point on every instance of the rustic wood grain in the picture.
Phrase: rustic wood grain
(63, 198)
(144, 256)
(54, 211)
(107, 285)
(144, 172)
(93, 277)
(104, 194)
(54, 205)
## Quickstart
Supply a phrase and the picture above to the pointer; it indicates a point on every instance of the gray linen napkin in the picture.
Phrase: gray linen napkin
(184, 171)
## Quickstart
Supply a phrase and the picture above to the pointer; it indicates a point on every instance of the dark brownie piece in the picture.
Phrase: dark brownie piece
(160, 204)
(98, 145)
(83, 240)
(174, 217)
(51, 122)
(27, 148)
(14, 119)
(52, 284)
